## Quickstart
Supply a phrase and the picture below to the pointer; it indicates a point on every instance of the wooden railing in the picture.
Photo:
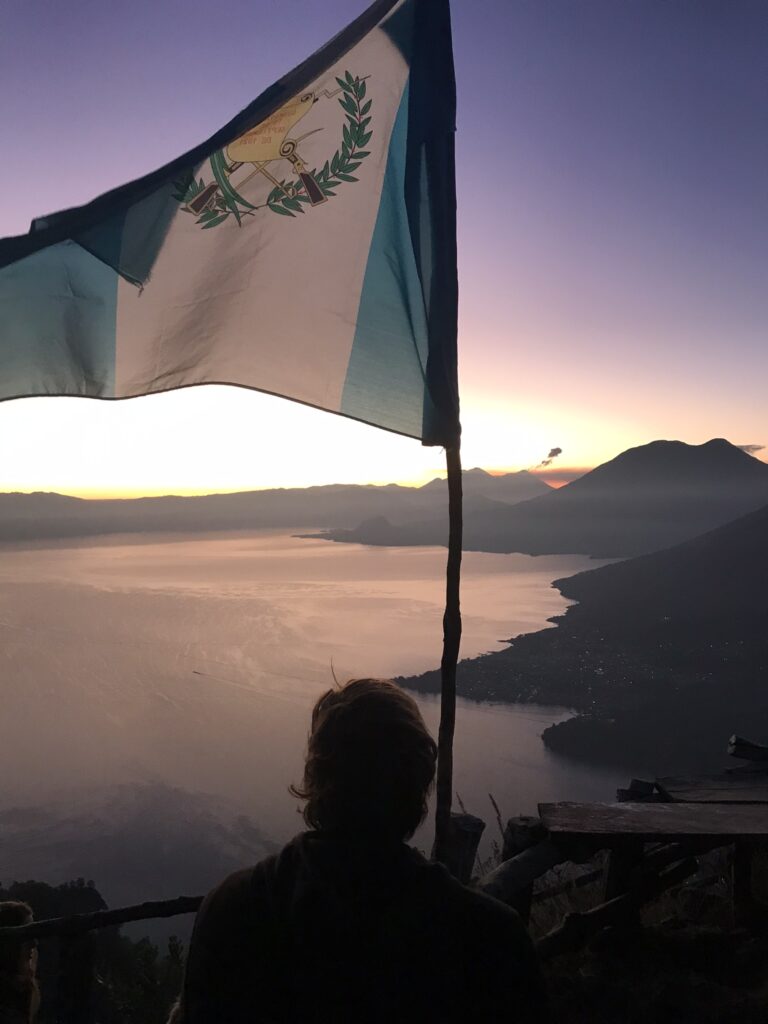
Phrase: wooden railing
(77, 924)
(653, 847)
(76, 975)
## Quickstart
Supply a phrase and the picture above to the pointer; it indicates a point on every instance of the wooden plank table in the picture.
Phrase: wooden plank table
(624, 828)
(655, 822)
(725, 788)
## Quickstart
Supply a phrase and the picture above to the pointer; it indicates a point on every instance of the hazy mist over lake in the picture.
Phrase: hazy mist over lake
(193, 663)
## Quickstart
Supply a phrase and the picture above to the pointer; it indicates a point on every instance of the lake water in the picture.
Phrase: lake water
(195, 661)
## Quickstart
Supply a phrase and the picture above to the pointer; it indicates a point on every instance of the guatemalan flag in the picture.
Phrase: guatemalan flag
(308, 249)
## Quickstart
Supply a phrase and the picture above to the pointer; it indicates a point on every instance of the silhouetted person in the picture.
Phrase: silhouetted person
(347, 923)
(19, 996)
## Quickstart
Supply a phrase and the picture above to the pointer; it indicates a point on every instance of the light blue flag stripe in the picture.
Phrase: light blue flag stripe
(390, 346)
(58, 307)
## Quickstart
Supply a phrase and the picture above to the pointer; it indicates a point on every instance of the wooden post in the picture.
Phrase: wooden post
(744, 908)
(451, 643)
(521, 834)
(513, 875)
(74, 997)
(466, 831)
(623, 860)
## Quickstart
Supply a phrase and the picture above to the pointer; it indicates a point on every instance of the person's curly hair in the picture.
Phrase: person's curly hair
(370, 762)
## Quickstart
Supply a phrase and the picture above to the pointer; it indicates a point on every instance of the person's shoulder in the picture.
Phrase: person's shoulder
(265, 873)
(473, 906)
(225, 902)
(235, 897)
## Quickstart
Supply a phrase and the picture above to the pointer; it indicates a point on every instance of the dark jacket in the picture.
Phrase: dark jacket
(336, 931)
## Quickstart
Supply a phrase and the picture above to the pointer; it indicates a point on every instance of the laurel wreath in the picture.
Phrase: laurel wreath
(290, 197)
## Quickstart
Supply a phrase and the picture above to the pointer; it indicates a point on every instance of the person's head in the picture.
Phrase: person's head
(370, 762)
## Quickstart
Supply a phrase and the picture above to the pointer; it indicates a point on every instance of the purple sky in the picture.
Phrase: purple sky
(613, 203)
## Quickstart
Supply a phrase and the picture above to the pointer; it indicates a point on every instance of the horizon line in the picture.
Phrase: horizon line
(555, 478)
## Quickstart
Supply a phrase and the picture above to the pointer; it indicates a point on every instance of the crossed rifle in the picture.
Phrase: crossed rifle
(259, 142)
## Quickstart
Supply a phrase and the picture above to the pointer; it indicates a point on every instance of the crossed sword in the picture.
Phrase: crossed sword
(288, 151)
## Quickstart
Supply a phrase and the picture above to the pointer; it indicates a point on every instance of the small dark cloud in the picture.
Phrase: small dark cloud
(553, 453)
(751, 449)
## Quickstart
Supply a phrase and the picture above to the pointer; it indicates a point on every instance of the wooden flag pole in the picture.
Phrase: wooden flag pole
(451, 642)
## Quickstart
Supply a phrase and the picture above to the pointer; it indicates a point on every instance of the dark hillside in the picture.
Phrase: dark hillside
(664, 656)
(714, 579)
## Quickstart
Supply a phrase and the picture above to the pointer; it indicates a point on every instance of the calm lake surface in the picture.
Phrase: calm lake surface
(195, 661)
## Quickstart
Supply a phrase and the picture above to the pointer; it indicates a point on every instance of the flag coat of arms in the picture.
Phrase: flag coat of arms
(306, 250)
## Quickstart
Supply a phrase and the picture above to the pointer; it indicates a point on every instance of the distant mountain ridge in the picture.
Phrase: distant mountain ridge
(646, 498)
(44, 515)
